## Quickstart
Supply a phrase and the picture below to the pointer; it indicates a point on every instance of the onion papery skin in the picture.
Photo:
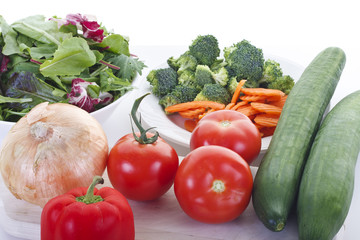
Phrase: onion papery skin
(53, 149)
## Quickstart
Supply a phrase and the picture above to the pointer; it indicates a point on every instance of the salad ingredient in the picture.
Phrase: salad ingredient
(273, 77)
(278, 177)
(180, 94)
(186, 62)
(205, 48)
(263, 108)
(327, 184)
(194, 104)
(213, 184)
(88, 213)
(162, 80)
(142, 165)
(54, 148)
(57, 51)
(229, 129)
(203, 76)
(237, 91)
(245, 61)
(241, 61)
(213, 92)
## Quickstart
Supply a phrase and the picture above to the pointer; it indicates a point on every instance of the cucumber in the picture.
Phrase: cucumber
(327, 183)
(277, 180)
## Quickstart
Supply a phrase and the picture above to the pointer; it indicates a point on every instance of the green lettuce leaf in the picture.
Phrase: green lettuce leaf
(43, 31)
(71, 58)
(129, 66)
(115, 43)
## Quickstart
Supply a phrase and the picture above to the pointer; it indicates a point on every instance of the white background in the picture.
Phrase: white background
(296, 30)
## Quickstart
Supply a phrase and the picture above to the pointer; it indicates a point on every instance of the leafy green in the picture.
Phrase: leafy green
(115, 43)
(44, 57)
(37, 28)
(26, 85)
(129, 66)
(71, 58)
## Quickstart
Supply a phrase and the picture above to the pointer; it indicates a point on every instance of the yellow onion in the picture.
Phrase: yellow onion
(54, 148)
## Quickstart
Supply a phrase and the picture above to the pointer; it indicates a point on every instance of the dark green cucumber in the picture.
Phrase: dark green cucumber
(277, 180)
(327, 183)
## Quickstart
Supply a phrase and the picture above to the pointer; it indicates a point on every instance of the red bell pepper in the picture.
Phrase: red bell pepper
(88, 213)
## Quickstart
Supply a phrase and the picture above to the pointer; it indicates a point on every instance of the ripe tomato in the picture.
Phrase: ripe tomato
(142, 171)
(230, 129)
(213, 184)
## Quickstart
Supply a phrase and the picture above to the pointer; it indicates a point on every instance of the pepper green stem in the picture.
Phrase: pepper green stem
(90, 198)
(143, 139)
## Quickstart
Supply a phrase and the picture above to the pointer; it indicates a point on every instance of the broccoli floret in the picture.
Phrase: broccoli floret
(219, 63)
(283, 83)
(205, 48)
(214, 92)
(169, 100)
(187, 78)
(245, 61)
(185, 62)
(221, 76)
(232, 84)
(180, 94)
(163, 81)
(271, 72)
(203, 75)
(185, 93)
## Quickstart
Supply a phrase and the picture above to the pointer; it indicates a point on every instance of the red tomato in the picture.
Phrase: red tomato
(213, 184)
(142, 171)
(230, 129)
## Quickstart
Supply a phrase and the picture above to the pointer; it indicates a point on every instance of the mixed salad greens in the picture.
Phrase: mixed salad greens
(72, 59)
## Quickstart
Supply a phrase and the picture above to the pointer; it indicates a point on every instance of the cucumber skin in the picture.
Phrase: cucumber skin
(277, 180)
(327, 183)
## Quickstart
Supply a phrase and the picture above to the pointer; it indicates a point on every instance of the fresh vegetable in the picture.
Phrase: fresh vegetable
(278, 177)
(163, 81)
(180, 94)
(186, 62)
(213, 92)
(263, 106)
(205, 48)
(54, 148)
(245, 61)
(200, 66)
(142, 165)
(229, 129)
(213, 184)
(327, 184)
(41, 58)
(273, 77)
(88, 213)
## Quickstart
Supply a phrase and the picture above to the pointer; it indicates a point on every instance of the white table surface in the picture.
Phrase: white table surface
(296, 30)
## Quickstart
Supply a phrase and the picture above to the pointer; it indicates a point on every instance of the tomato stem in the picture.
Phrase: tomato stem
(218, 186)
(143, 139)
(225, 123)
(90, 198)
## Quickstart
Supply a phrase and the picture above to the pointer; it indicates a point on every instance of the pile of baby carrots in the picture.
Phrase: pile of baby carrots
(261, 105)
